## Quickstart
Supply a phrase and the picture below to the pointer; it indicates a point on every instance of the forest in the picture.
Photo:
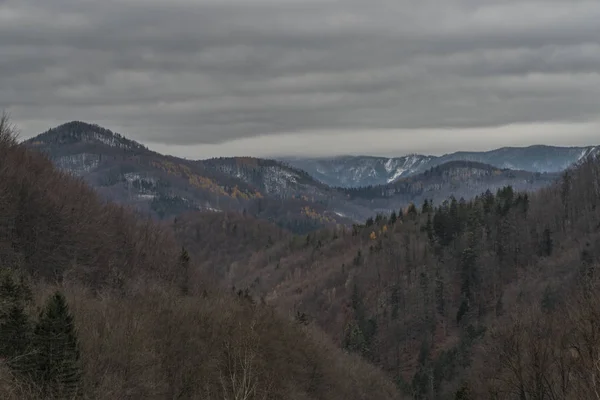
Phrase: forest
(440, 296)
(99, 302)
(495, 297)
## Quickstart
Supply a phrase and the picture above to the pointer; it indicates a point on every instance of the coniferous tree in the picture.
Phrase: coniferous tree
(440, 299)
(429, 228)
(56, 368)
(15, 333)
(354, 340)
(547, 245)
(426, 207)
(15, 326)
(184, 262)
(13, 290)
(393, 218)
(463, 393)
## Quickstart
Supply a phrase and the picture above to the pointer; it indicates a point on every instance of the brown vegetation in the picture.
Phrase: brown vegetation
(139, 336)
(223, 244)
(491, 298)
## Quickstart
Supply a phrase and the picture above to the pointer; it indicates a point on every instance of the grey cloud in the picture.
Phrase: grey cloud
(209, 71)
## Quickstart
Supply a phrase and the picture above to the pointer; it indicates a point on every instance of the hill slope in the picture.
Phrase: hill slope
(490, 298)
(146, 325)
(432, 295)
(126, 172)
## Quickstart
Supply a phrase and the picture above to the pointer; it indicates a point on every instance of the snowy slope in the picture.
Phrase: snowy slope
(361, 171)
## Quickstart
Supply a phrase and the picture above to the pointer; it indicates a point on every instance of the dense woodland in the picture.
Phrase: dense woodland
(490, 298)
(440, 296)
(98, 303)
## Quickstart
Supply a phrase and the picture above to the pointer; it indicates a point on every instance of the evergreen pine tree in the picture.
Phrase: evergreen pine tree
(463, 393)
(56, 367)
(15, 327)
(12, 290)
(547, 245)
(15, 333)
(393, 218)
(426, 207)
(354, 340)
(184, 263)
(429, 228)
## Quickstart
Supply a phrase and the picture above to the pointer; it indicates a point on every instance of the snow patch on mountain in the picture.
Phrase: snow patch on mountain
(390, 165)
(112, 141)
(78, 164)
(146, 196)
(399, 172)
(591, 151)
(409, 165)
(277, 179)
(132, 177)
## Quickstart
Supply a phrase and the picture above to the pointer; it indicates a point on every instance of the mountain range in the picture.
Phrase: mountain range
(357, 171)
(281, 191)
(492, 297)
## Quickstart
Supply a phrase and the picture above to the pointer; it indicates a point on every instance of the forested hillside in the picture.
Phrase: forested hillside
(492, 296)
(458, 179)
(98, 303)
(126, 172)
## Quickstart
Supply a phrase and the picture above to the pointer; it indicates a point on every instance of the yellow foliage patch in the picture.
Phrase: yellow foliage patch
(311, 213)
(202, 182)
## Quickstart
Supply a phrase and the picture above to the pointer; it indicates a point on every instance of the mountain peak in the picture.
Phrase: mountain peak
(82, 132)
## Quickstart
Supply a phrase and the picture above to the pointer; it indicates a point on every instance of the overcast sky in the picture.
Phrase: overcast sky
(202, 78)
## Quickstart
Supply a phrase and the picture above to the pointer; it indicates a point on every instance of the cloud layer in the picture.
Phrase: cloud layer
(218, 72)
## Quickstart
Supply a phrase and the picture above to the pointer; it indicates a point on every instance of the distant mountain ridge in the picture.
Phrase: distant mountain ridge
(361, 171)
(127, 172)
(458, 179)
(81, 132)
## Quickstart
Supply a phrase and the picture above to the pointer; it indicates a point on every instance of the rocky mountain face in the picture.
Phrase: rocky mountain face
(127, 172)
(360, 171)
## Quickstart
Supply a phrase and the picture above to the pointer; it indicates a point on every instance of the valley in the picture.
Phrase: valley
(299, 200)
(416, 289)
